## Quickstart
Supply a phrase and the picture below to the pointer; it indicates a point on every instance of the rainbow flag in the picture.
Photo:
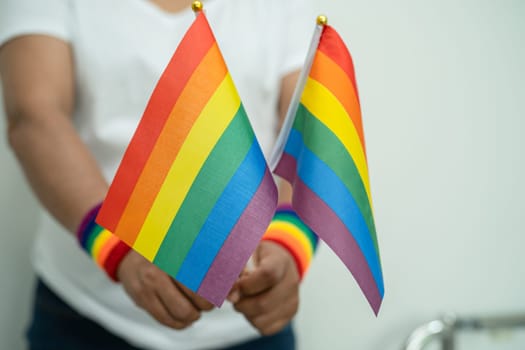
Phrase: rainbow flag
(322, 154)
(193, 193)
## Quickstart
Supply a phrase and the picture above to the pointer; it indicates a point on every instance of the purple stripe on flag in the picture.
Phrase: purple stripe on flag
(323, 221)
(241, 243)
(286, 168)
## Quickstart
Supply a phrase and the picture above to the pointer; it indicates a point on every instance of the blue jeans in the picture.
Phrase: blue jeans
(56, 326)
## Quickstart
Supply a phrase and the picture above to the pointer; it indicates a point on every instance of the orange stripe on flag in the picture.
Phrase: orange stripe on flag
(199, 89)
(330, 74)
(172, 82)
(333, 46)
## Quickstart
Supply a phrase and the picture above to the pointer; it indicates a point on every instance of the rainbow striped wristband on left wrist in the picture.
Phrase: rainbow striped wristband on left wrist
(106, 249)
(288, 230)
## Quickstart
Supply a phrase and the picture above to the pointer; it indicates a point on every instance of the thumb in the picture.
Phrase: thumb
(251, 264)
(269, 271)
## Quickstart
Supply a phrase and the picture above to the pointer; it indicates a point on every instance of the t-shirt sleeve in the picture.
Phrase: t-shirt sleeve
(23, 17)
(299, 28)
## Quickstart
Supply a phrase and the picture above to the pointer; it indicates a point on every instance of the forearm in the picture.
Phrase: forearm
(39, 99)
(60, 169)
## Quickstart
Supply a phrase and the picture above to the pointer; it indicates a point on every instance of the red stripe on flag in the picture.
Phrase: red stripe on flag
(191, 50)
(200, 88)
(329, 74)
(333, 46)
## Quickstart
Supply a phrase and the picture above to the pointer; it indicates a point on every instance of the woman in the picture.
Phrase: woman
(76, 76)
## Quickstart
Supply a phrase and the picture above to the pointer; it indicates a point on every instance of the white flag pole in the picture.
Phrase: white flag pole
(278, 149)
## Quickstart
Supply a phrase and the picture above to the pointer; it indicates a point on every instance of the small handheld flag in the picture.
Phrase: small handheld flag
(321, 152)
(193, 193)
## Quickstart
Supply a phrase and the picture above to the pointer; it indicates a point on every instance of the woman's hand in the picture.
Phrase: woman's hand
(166, 300)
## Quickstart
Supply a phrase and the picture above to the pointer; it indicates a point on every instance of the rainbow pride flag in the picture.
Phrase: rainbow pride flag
(193, 193)
(322, 154)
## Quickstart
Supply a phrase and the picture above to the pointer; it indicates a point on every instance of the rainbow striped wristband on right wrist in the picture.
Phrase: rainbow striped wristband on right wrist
(288, 230)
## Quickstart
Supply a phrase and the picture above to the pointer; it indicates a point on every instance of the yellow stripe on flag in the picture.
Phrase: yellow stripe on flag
(327, 108)
(207, 130)
(327, 72)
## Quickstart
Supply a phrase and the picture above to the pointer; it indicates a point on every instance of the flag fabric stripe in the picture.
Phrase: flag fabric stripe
(333, 46)
(326, 184)
(201, 86)
(222, 218)
(324, 158)
(174, 79)
(328, 187)
(320, 216)
(215, 174)
(241, 242)
(213, 120)
(327, 147)
(193, 193)
(321, 103)
(331, 76)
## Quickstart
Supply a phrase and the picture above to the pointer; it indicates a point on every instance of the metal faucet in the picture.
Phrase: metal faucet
(444, 328)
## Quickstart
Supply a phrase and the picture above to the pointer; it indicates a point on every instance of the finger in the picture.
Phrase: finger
(263, 277)
(252, 262)
(234, 295)
(264, 303)
(199, 302)
(276, 320)
(175, 301)
(157, 309)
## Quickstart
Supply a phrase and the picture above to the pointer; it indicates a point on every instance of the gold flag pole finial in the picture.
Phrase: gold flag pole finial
(322, 20)
(196, 6)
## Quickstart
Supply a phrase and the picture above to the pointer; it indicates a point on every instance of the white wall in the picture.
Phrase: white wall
(17, 223)
(443, 92)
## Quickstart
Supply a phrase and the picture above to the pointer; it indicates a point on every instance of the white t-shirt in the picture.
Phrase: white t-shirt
(120, 48)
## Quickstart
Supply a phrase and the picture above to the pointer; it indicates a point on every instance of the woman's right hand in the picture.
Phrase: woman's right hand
(165, 299)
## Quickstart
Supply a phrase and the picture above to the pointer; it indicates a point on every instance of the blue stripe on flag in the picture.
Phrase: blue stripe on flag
(229, 207)
(327, 186)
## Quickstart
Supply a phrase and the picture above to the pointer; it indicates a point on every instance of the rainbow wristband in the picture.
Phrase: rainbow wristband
(102, 246)
(288, 230)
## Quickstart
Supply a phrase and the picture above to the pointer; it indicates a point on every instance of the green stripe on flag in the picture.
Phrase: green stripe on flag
(327, 147)
(216, 172)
